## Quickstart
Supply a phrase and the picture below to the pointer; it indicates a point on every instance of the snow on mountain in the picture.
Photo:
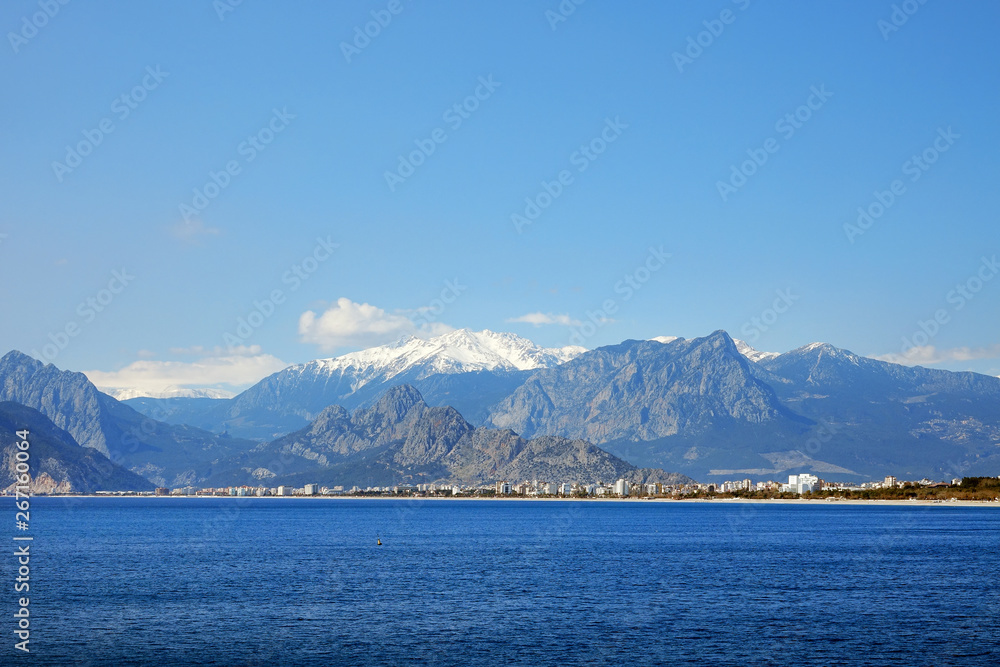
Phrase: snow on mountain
(123, 394)
(827, 350)
(747, 351)
(666, 339)
(459, 351)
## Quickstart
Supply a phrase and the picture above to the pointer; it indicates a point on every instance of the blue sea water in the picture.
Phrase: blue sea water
(302, 582)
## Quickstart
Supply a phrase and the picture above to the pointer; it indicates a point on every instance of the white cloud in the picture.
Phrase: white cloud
(539, 319)
(221, 369)
(191, 231)
(349, 324)
(928, 354)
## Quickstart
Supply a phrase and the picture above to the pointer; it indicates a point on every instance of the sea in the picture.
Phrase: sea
(303, 581)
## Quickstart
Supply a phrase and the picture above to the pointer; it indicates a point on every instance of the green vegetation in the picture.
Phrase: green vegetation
(971, 488)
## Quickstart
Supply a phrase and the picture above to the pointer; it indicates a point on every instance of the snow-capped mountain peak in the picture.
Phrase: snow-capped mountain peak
(457, 351)
(827, 350)
(750, 353)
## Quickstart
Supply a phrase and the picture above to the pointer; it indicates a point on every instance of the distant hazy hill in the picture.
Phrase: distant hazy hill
(401, 440)
(178, 409)
(56, 462)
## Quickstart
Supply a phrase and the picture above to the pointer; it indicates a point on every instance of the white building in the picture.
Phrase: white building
(284, 491)
(801, 483)
(311, 489)
(621, 488)
(503, 488)
(566, 489)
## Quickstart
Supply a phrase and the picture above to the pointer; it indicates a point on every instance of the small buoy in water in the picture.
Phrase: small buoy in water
(378, 541)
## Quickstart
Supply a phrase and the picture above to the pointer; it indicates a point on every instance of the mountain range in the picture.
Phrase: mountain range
(399, 439)
(402, 440)
(704, 408)
(464, 369)
(709, 408)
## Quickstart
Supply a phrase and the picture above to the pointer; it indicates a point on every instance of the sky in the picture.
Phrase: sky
(199, 193)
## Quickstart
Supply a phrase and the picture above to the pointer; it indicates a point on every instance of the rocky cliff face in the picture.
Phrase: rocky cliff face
(641, 391)
(68, 399)
(57, 464)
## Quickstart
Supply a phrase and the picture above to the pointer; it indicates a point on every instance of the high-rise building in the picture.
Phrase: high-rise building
(621, 488)
(801, 483)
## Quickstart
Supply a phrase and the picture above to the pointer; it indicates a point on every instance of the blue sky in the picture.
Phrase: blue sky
(819, 108)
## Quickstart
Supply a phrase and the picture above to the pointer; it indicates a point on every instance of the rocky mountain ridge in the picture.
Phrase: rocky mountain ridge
(402, 440)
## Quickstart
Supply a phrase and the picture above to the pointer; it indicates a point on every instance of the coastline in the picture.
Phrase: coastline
(717, 501)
